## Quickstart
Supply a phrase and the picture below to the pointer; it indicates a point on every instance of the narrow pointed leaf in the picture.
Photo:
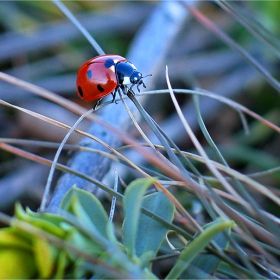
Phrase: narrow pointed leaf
(196, 246)
(206, 264)
(150, 232)
(132, 202)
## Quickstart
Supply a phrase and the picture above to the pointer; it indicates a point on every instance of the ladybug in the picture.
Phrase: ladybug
(105, 74)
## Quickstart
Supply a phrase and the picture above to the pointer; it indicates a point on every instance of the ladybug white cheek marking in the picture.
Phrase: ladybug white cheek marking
(112, 68)
(116, 61)
(126, 81)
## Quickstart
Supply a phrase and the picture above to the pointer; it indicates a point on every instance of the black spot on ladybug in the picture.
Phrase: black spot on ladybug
(100, 88)
(109, 62)
(80, 91)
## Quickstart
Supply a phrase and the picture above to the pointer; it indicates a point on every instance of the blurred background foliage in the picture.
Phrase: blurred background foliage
(39, 45)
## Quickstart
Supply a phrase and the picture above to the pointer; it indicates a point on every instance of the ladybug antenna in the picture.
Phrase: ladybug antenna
(147, 76)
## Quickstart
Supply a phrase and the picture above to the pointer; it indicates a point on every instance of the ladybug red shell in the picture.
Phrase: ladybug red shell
(104, 74)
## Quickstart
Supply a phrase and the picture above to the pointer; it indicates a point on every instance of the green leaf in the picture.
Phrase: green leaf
(85, 230)
(151, 233)
(41, 221)
(51, 218)
(93, 246)
(10, 237)
(16, 263)
(144, 260)
(132, 202)
(205, 264)
(111, 234)
(61, 264)
(227, 271)
(196, 246)
(45, 257)
(91, 206)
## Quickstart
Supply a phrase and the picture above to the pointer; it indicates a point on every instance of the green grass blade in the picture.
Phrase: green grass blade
(196, 246)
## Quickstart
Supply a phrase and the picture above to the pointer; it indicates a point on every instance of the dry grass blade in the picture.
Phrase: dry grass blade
(84, 31)
(198, 145)
(218, 32)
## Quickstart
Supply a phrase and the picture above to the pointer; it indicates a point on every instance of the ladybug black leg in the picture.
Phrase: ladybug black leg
(140, 83)
(130, 89)
(96, 105)
(114, 93)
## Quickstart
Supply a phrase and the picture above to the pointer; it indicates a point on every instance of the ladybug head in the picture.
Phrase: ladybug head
(136, 79)
(127, 74)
